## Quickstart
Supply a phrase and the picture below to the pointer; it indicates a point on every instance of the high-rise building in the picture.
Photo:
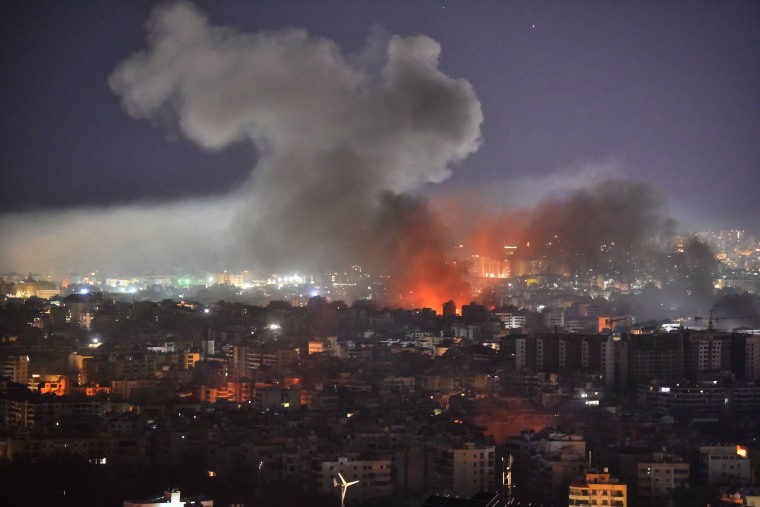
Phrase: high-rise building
(487, 267)
(707, 353)
(746, 356)
(552, 352)
(552, 461)
(449, 309)
(655, 356)
(614, 362)
(598, 489)
(724, 465)
(511, 321)
(657, 478)
(465, 470)
(554, 318)
(16, 368)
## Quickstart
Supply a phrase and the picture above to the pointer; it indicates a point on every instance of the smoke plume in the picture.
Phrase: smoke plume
(344, 145)
(581, 231)
(609, 222)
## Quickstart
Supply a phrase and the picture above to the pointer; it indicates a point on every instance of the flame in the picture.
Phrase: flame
(425, 272)
(611, 220)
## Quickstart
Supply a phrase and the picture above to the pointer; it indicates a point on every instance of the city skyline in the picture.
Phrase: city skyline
(571, 97)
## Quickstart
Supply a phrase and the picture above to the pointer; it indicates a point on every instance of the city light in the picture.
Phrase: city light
(494, 253)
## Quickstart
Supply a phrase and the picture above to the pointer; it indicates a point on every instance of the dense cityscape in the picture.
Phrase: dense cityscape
(429, 253)
(244, 390)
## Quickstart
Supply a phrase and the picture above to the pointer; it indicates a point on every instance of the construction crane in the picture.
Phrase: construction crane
(710, 319)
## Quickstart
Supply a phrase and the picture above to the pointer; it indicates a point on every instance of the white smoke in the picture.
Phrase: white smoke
(332, 137)
(122, 239)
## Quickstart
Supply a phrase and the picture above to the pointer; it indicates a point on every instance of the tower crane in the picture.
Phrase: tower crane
(710, 319)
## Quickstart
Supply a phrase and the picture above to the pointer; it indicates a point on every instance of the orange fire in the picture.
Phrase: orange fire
(556, 236)
(424, 272)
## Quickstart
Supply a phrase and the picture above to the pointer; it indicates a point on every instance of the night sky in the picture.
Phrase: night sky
(570, 92)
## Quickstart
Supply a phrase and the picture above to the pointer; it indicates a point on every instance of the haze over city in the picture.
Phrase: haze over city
(278, 137)
(380, 254)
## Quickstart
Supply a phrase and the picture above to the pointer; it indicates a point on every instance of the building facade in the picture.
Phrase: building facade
(598, 489)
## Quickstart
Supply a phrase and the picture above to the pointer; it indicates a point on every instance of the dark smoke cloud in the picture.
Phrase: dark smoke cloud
(413, 247)
(335, 136)
(345, 144)
(580, 231)
(614, 229)
(577, 231)
(733, 311)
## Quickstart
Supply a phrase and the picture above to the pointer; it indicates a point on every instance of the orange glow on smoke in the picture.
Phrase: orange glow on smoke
(428, 277)
(425, 274)
(491, 234)
(562, 235)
